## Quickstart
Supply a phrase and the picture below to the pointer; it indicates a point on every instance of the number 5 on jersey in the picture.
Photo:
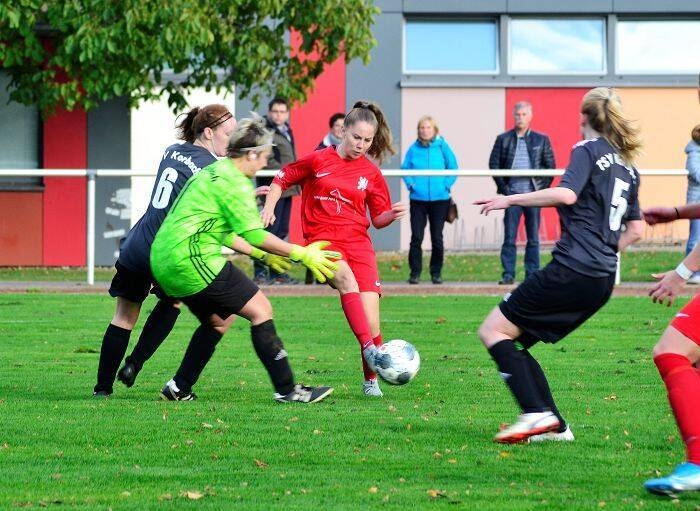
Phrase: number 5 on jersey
(618, 204)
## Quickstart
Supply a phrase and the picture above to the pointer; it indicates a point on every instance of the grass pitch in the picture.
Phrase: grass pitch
(426, 445)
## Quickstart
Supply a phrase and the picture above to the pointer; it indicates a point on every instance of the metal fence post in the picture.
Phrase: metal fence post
(90, 242)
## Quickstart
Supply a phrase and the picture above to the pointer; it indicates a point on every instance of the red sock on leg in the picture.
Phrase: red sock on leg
(378, 340)
(369, 374)
(355, 314)
(683, 387)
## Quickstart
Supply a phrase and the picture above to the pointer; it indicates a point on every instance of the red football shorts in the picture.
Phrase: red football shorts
(687, 320)
(359, 253)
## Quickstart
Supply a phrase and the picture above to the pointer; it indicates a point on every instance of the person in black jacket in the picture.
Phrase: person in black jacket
(521, 149)
(283, 153)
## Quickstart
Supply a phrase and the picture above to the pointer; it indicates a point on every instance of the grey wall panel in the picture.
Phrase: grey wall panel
(389, 5)
(454, 6)
(558, 7)
(379, 82)
(655, 6)
(109, 147)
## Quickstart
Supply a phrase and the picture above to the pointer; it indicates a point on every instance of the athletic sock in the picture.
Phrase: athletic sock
(683, 388)
(515, 371)
(114, 344)
(198, 353)
(377, 340)
(272, 354)
(543, 387)
(355, 314)
(158, 326)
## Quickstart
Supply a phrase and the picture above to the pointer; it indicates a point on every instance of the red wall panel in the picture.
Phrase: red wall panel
(310, 122)
(556, 114)
(65, 147)
(20, 228)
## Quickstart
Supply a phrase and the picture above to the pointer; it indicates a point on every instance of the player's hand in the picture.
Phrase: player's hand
(277, 263)
(660, 215)
(667, 288)
(498, 202)
(319, 261)
(267, 217)
(398, 210)
(262, 190)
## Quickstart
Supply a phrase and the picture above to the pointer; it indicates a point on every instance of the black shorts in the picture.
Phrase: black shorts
(226, 295)
(553, 302)
(134, 286)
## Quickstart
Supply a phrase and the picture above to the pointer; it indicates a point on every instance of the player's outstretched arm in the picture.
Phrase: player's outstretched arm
(277, 263)
(556, 196)
(665, 214)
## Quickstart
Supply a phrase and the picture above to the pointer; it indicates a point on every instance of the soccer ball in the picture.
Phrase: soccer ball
(404, 362)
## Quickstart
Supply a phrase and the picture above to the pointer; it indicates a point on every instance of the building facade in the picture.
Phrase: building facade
(466, 63)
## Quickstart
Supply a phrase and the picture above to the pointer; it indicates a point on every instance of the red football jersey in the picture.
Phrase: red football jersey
(336, 192)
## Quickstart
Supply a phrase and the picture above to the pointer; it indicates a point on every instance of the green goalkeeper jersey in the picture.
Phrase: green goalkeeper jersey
(214, 205)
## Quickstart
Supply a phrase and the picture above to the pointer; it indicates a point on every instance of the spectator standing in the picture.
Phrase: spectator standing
(335, 136)
(429, 196)
(692, 165)
(283, 152)
(521, 149)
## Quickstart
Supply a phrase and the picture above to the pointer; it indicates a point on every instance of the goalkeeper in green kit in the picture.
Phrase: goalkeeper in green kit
(217, 208)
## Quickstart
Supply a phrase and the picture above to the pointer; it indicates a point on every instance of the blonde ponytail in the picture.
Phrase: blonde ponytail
(603, 109)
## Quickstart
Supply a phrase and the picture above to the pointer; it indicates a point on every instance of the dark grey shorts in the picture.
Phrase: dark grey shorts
(553, 302)
(227, 294)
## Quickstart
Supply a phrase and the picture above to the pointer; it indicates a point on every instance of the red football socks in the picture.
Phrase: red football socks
(683, 388)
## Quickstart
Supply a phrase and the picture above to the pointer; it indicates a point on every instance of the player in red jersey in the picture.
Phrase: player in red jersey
(676, 356)
(339, 184)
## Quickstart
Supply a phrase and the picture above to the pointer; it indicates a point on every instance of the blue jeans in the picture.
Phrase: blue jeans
(511, 219)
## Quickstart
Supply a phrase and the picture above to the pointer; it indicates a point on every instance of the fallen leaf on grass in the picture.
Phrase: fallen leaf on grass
(373, 489)
(166, 496)
(192, 495)
(260, 464)
(207, 425)
(434, 494)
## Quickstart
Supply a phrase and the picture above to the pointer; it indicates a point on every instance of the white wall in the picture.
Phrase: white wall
(152, 130)
(470, 120)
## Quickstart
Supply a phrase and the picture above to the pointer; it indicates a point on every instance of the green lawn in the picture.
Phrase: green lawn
(426, 445)
(393, 267)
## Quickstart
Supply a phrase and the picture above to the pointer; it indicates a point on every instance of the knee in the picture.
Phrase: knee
(344, 279)
(262, 311)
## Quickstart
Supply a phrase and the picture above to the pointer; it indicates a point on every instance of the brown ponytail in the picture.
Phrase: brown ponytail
(366, 111)
(210, 116)
(603, 108)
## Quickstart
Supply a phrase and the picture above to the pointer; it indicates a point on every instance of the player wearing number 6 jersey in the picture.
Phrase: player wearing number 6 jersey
(205, 132)
(596, 196)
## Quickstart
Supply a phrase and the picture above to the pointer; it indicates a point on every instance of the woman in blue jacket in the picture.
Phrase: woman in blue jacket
(429, 195)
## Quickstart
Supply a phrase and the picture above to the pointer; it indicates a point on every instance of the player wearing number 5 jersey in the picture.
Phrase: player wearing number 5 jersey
(205, 132)
(596, 197)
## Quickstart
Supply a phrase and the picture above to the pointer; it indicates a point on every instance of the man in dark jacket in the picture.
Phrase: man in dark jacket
(283, 152)
(521, 149)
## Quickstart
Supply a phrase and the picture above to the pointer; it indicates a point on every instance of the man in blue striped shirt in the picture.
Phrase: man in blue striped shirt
(521, 149)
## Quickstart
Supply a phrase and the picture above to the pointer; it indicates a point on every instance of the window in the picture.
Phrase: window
(556, 46)
(658, 47)
(19, 140)
(459, 46)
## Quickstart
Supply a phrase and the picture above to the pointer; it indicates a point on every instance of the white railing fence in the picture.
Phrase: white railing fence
(92, 174)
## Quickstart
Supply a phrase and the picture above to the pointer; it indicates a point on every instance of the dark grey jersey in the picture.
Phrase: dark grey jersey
(179, 163)
(607, 193)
